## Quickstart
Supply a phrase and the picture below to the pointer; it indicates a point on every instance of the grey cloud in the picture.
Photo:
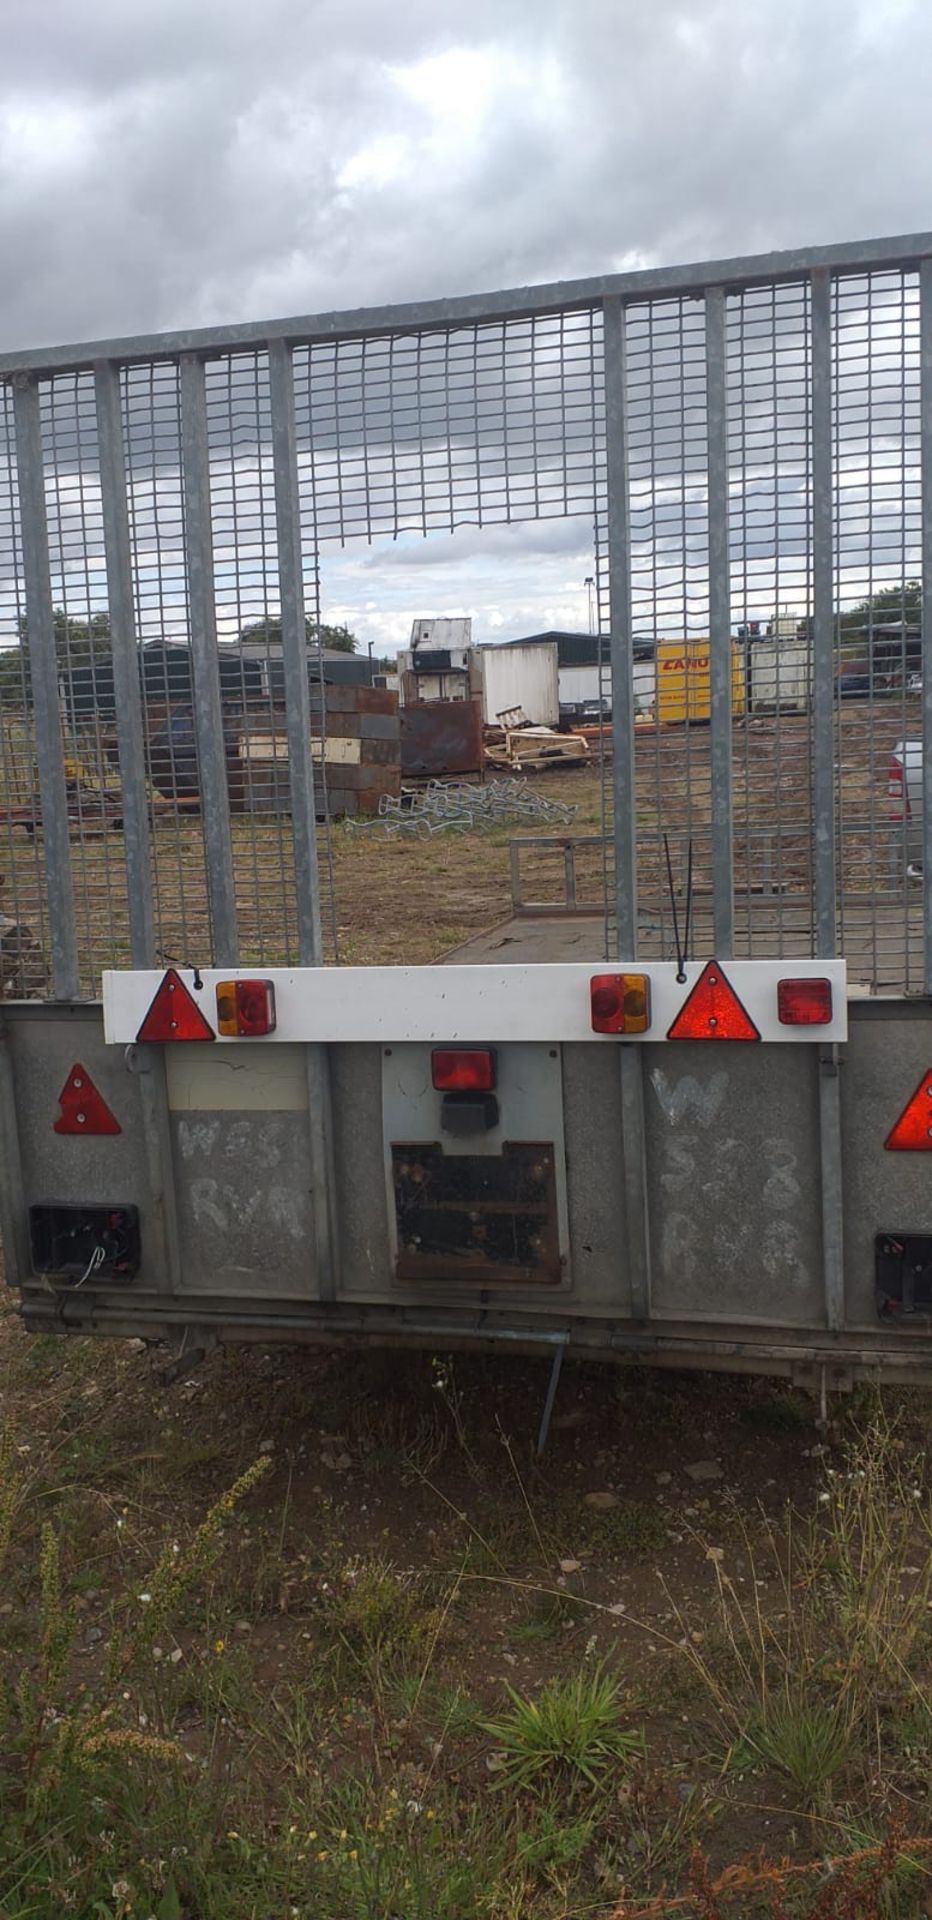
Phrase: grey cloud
(184, 165)
(204, 178)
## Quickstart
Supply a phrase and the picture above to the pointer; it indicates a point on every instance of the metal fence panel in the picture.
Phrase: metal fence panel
(743, 441)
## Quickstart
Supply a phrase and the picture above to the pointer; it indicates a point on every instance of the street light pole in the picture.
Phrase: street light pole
(589, 583)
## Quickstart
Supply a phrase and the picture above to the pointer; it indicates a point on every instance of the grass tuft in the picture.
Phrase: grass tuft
(571, 1733)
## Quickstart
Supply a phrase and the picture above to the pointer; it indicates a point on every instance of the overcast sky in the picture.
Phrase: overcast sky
(219, 160)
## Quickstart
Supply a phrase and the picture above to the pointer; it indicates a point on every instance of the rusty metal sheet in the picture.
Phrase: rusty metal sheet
(441, 736)
(477, 1217)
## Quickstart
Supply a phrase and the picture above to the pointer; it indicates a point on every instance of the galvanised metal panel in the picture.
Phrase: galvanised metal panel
(245, 1212)
(733, 1178)
(889, 1049)
(43, 1045)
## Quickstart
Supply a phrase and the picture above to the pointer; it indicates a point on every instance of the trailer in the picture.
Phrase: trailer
(689, 1137)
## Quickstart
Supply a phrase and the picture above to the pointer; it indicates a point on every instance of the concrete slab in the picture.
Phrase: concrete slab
(882, 943)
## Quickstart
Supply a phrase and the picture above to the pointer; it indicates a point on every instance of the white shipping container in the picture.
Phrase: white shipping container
(779, 676)
(578, 684)
(524, 677)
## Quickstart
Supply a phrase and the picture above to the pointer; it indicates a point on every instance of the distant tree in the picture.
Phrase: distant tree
(77, 643)
(338, 638)
(883, 608)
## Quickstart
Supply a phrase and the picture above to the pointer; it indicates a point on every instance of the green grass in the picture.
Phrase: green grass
(570, 1733)
(337, 1700)
(806, 1741)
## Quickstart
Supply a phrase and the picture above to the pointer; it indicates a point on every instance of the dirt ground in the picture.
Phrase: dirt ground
(406, 1568)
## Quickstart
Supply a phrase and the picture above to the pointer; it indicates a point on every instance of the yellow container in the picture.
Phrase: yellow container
(683, 681)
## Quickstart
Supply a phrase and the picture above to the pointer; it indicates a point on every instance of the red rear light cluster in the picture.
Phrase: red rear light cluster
(804, 1003)
(463, 1069)
(619, 1002)
(245, 1008)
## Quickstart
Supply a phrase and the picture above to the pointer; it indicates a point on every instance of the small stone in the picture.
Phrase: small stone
(663, 1479)
(715, 1554)
(158, 1653)
(601, 1502)
(337, 1462)
(93, 1635)
(175, 1656)
(7, 1607)
(266, 1446)
(618, 1608)
(704, 1470)
(243, 1626)
(569, 1566)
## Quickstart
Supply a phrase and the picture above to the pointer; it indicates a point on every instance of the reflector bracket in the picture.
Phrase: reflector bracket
(912, 1132)
(83, 1109)
(712, 1011)
(173, 1014)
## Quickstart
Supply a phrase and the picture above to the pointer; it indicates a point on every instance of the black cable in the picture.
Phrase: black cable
(676, 923)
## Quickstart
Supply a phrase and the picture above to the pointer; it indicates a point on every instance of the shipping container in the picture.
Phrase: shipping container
(683, 682)
(579, 685)
(779, 676)
(524, 677)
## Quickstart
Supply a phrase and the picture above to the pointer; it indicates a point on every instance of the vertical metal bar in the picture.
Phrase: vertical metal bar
(823, 746)
(634, 1145)
(43, 668)
(925, 404)
(569, 873)
(720, 646)
(823, 782)
(13, 1235)
(205, 665)
(618, 536)
(163, 1236)
(124, 646)
(295, 653)
(303, 803)
(619, 589)
(830, 1156)
(514, 858)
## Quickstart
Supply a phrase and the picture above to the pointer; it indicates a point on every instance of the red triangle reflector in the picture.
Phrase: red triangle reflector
(712, 1011)
(913, 1130)
(173, 1014)
(83, 1109)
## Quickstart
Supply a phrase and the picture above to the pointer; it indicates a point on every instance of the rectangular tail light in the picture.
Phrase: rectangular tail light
(804, 1003)
(619, 1002)
(463, 1069)
(245, 1008)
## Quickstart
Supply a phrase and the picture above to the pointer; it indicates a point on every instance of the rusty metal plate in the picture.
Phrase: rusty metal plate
(441, 736)
(477, 1217)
